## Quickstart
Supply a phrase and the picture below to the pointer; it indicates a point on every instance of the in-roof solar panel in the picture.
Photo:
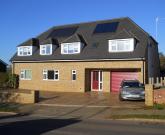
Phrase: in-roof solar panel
(106, 27)
(63, 32)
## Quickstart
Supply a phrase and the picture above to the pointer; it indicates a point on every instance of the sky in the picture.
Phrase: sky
(24, 19)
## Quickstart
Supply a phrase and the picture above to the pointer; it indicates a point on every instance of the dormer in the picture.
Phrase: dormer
(48, 46)
(27, 48)
(122, 45)
(72, 45)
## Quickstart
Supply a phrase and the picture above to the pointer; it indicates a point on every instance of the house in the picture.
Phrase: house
(3, 66)
(92, 56)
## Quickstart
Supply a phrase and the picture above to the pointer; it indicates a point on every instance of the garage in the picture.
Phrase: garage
(117, 77)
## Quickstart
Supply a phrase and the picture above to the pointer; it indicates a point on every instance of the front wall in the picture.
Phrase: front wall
(65, 83)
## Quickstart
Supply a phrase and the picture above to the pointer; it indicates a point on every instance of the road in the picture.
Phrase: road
(40, 125)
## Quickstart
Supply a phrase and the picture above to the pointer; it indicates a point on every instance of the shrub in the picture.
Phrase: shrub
(9, 80)
(13, 81)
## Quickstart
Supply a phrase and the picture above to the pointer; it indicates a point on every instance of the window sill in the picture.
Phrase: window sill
(50, 80)
(25, 79)
(45, 54)
(24, 55)
(70, 53)
(120, 51)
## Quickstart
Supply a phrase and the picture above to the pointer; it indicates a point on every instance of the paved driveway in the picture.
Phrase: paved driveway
(88, 99)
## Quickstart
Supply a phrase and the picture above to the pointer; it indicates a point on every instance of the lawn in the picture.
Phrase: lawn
(9, 107)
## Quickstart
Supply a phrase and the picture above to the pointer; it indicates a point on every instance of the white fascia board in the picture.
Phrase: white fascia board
(133, 59)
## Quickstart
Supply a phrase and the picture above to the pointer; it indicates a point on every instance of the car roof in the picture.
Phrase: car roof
(130, 81)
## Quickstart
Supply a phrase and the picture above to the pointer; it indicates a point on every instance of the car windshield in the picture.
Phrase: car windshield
(131, 84)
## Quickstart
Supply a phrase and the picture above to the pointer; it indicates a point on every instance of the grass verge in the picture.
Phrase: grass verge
(138, 116)
(159, 106)
(9, 107)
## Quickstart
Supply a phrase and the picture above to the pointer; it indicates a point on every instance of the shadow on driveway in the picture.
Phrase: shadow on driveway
(34, 127)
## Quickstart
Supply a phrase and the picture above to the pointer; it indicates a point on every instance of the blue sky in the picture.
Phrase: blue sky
(23, 19)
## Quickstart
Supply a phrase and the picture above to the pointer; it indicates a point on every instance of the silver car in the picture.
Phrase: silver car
(131, 90)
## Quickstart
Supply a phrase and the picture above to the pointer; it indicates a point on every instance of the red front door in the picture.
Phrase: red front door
(95, 80)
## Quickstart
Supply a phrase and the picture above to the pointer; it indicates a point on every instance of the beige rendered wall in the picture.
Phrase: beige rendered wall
(65, 83)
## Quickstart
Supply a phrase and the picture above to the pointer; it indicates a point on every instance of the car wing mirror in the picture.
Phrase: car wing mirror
(141, 85)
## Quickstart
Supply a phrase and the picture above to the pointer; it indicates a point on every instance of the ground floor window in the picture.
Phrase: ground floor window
(26, 74)
(74, 75)
(50, 74)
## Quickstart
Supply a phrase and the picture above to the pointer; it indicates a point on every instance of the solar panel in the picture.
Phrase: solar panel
(63, 32)
(106, 27)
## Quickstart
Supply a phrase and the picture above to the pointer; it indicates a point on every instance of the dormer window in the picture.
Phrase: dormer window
(24, 51)
(70, 48)
(46, 49)
(121, 45)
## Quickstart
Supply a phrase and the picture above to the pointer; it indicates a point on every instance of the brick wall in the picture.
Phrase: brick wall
(65, 83)
(159, 96)
(21, 96)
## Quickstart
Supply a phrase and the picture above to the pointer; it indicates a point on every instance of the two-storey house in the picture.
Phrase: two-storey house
(92, 56)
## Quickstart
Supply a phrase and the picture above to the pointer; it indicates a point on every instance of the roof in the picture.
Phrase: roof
(96, 43)
(1, 61)
(30, 42)
(49, 41)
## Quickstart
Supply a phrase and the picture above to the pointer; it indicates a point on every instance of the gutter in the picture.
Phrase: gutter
(85, 60)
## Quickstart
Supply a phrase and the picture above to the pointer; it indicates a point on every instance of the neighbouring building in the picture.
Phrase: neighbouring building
(92, 56)
(3, 66)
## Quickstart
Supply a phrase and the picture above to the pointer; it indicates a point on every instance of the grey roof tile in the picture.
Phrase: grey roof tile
(96, 44)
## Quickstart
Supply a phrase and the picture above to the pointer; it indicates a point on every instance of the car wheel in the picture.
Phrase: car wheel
(120, 98)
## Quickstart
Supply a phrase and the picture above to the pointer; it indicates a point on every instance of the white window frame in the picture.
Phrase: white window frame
(74, 72)
(56, 72)
(115, 44)
(45, 74)
(24, 49)
(75, 45)
(23, 73)
(43, 47)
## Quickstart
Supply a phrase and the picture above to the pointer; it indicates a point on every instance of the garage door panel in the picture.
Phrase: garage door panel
(117, 77)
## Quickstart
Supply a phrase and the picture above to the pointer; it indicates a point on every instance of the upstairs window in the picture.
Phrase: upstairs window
(70, 48)
(73, 75)
(24, 51)
(26, 74)
(46, 49)
(50, 74)
(121, 45)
